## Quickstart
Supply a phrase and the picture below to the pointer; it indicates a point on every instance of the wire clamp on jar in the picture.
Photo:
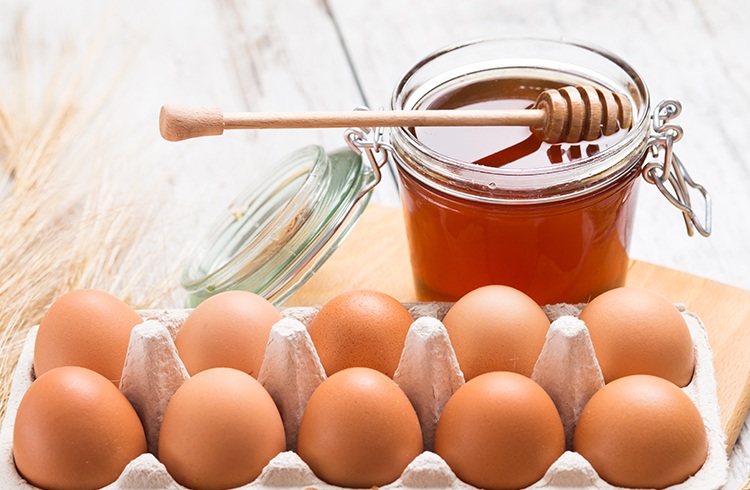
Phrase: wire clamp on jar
(667, 169)
(371, 142)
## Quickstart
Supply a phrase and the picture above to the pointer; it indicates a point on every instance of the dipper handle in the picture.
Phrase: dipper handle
(568, 114)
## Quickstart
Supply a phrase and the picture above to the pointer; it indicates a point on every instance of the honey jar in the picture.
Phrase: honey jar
(482, 205)
(497, 205)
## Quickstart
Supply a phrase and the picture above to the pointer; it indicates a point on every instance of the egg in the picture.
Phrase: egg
(360, 328)
(74, 429)
(638, 331)
(642, 431)
(499, 431)
(86, 328)
(496, 328)
(230, 330)
(220, 429)
(359, 430)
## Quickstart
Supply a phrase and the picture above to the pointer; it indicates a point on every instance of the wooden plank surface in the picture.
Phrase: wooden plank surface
(375, 256)
(336, 54)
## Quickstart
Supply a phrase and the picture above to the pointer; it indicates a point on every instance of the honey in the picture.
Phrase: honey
(501, 146)
(497, 205)
(570, 250)
(553, 252)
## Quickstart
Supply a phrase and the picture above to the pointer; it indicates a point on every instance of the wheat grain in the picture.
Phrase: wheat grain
(65, 221)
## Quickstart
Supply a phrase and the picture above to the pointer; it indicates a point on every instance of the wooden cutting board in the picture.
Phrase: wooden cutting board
(375, 256)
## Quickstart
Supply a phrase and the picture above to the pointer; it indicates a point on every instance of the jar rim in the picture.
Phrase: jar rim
(452, 169)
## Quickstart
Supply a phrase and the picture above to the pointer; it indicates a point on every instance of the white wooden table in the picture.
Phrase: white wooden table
(339, 54)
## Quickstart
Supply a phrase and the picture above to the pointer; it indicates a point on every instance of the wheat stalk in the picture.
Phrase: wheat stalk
(64, 223)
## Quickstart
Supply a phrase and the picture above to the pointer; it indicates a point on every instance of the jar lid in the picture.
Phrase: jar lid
(283, 227)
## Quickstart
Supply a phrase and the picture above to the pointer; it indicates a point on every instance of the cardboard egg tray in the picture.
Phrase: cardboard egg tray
(428, 373)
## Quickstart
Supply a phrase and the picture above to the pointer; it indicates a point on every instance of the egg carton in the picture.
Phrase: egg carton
(428, 373)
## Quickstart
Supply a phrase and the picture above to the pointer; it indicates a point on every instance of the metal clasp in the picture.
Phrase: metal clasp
(667, 171)
(371, 142)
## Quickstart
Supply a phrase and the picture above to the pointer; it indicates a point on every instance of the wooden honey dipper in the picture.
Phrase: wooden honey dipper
(568, 114)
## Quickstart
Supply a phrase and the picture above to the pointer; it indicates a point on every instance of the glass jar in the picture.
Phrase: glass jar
(559, 232)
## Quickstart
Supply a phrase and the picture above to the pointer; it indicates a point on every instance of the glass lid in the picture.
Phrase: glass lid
(278, 232)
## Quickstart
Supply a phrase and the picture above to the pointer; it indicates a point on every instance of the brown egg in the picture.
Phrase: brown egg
(74, 429)
(359, 430)
(227, 330)
(642, 432)
(85, 328)
(496, 328)
(361, 329)
(500, 430)
(220, 429)
(638, 331)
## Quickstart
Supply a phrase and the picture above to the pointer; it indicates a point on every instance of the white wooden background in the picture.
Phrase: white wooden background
(339, 54)
(331, 55)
